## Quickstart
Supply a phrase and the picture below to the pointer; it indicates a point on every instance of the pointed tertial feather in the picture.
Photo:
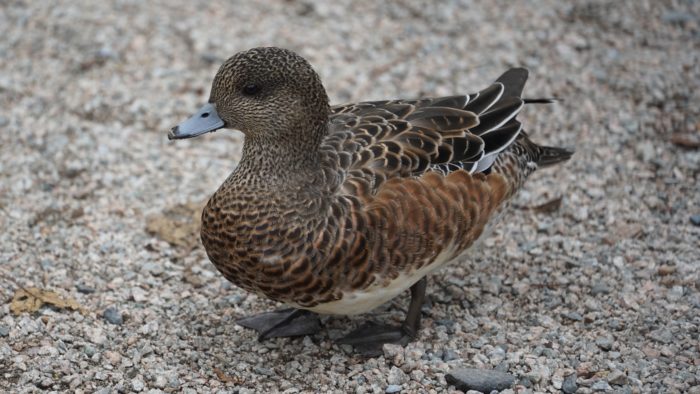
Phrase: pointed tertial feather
(498, 115)
(443, 118)
(499, 139)
(513, 81)
(485, 99)
(451, 101)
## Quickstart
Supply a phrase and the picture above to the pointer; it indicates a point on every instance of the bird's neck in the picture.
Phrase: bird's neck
(280, 160)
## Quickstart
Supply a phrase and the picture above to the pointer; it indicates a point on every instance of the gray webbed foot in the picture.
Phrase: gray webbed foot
(369, 339)
(283, 323)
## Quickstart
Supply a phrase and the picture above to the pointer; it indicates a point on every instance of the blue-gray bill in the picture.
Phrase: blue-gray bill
(203, 121)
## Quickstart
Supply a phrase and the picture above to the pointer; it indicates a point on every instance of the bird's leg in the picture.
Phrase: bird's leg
(283, 323)
(370, 338)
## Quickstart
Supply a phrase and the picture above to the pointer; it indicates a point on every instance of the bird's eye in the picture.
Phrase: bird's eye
(251, 89)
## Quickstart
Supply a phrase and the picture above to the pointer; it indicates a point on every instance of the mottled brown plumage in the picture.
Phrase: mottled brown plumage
(339, 209)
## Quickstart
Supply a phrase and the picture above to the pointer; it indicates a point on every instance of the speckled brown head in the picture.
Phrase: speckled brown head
(270, 94)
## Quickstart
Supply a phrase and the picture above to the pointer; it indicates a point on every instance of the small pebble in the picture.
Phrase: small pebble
(575, 316)
(392, 388)
(601, 385)
(600, 288)
(4, 331)
(617, 377)
(137, 384)
(89, 350)
(397, 377)
(113, 357)
(84, 289)
(695, 219)
(604, 343)
(569, 385)
(483, 380)
(449, 355)
(661, 335)
(113, 316)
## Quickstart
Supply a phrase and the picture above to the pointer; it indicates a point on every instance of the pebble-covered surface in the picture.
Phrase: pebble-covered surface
(601, 294)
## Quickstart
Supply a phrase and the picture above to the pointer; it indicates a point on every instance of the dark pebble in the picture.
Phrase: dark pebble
(525, 382)
(84, 289)
(664, 336)
(575, 316)
(569, 386)
(264, 371)
(549, 353)
(113, 316)
(616, 324)
(600, 288)
(483, 380)
(695, 219)
(449, 355)
(449, 323)
(478, 343)
(604, 343)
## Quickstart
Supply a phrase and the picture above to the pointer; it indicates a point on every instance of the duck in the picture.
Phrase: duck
(336, 210)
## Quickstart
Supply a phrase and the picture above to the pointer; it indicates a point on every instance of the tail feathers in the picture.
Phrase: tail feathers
(513, 81)
(543, 100)
(550, 155)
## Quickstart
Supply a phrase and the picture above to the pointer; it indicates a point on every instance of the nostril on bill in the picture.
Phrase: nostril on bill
(205, 115)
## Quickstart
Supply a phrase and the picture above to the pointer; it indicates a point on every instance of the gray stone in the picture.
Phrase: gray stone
(89, 350)
(497, 355)
(113, 316)
(449, 355)
(155, 269)
(84, 289)
(483, 380)
(661, 335)
(397, 377)
(569, 386)
(137, 384)
(695, 220)
(604, 343)
(600, 288)
(263, 371)
(617, 377)
(392, 388)
(575, 316)
(601, 385)
(616, 324)
(4, 331)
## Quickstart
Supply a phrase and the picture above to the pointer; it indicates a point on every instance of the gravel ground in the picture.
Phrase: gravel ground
(601, 293)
